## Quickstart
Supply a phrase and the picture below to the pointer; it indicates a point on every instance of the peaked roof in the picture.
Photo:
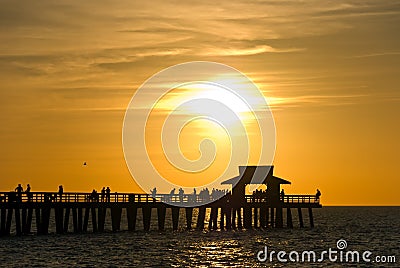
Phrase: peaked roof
(255, 175)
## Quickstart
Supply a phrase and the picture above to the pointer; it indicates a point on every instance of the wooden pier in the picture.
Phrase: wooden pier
(18, 212)
(235, 210)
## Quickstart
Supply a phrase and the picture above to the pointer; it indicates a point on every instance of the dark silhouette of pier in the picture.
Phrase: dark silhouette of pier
(235, 209)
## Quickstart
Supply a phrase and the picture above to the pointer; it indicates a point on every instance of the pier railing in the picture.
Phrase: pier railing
(286, 199)
(139, 198)
(99, 197)
(300, 199)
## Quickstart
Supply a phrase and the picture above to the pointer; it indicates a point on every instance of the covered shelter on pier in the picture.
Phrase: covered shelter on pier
(255, 175)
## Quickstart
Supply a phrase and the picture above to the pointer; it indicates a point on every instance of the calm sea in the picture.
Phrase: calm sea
(375, 229)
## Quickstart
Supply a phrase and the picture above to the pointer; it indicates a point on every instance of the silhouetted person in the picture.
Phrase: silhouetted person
(108, 194)
(103, 194)
(282, 195)
(19, 191)
(154, 193)
(60, 192)
(181, 192)
(171, 195)
(317, 195)
(28, 192)
(94, 196)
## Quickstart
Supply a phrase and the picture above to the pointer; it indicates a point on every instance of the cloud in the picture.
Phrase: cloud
(279, 103)
(394, 53)
(247, 51)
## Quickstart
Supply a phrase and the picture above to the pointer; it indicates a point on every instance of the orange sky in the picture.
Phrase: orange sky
(329, 69)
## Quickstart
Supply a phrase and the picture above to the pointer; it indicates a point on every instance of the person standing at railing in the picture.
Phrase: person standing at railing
(154, 193)
(103, 194)
(108, 194)
(171, 195)
(181, 192)
(317, 195)
(283, 195)
(194, 195)
(19, 191)
(28, 192)
(60, 192)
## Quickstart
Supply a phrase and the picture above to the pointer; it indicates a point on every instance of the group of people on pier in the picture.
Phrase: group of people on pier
(203, 196)
(104, 196)
(18, 195)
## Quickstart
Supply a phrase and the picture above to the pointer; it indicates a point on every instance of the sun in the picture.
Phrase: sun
(210, 99)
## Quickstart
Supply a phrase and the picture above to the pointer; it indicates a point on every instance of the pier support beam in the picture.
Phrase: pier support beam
(45, 219)
(29, 221)
(233, 221)
(228, 218)
(116, 213)
(146, 213)
(80, 223)
(38, 221)
(201, 218)
(239, 218)
(94, 219)
(86, 219)
(221, 221)
(23, 220)
(289, 222)
(58, 213)
(131, 213)
(66, 219)
(189, 215)
(210, 220)
(300, 217)
(18, 221)
(215, 218)
(255, 217)
(3, 221)
(279, 218)
(175, 218)
(263, 214)
(161, 211)
(310, 214)
(75, 220)
(8, 222)
(247, 217)
(101, 216)
(272, 217)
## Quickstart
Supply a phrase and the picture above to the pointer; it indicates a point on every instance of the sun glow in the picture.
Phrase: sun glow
(208, 91)
(209, 118)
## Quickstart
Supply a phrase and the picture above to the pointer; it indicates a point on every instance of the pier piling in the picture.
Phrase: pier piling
(175, 218)
(201, 218)
(131, 213)
(161, 211)
(86, 219)
(94, 219)
(300, 217)
(189, 215)
(289, 222)
(310, 214)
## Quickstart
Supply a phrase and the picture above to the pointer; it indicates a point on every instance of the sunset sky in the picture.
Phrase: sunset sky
(328, 69)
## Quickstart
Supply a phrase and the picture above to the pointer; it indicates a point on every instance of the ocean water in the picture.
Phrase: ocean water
(374, 229)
